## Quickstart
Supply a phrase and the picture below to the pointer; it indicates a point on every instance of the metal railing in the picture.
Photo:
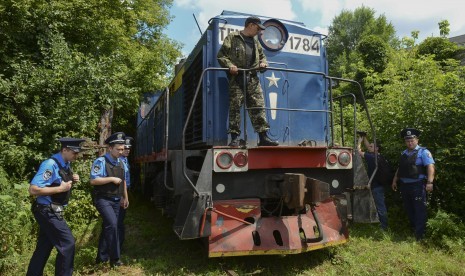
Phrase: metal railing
(244, 72)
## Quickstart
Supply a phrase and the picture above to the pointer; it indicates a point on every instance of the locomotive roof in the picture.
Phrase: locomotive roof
(230, 14)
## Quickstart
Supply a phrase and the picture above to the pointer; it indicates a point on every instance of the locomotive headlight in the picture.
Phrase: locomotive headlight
(332, 158)
(224, 160)
(275, 35)
(344, 158)
(240, 159)
(272, 36)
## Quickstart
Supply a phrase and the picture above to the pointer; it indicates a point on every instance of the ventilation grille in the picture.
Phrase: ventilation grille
(190, 81)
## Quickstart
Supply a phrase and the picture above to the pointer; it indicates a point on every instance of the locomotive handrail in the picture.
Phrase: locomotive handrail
(291, 109)
(183, 139)
(355, 131)
(342, 118)
(165, 168)
(189, 114)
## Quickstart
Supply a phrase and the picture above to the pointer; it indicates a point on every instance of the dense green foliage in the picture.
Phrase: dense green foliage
(347, 30)
(410, 85)
(441, 48)
(62, 65)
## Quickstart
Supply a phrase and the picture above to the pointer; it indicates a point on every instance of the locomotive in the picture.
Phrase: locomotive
(251, 200)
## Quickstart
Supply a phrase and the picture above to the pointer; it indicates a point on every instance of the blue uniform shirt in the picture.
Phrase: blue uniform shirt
(424, 158)
(128, 176)
(98, 167)
(47, 175)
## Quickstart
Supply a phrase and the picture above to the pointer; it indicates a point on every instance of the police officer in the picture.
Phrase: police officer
(108, 176)
(415, 176)
(242, 50)
(52, 188)
(122, 210)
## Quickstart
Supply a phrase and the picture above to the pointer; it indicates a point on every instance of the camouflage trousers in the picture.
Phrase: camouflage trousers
(254, 99)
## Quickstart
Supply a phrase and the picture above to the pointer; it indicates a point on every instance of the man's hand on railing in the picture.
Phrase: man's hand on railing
(233, 70)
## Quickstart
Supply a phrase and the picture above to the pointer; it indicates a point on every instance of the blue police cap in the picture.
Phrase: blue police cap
(408, 133)
(127, 142)
(71, 143)
(116, 138)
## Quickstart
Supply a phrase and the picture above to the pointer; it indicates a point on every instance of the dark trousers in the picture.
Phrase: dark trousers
(121, 228)
(108, 245)
(53, 232)
(414, 198)
(378, 196)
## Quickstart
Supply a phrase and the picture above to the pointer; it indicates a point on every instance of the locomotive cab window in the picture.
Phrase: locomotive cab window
(275, 35)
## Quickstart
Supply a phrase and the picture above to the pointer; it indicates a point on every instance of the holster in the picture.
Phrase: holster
(58, 210)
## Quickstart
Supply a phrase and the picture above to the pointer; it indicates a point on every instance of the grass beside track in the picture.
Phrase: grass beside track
(152, 248)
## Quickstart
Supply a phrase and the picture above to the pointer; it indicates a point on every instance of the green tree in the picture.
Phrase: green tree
(428, 95)
(67, 66)
(440, 47)
(347, 30)
(444, 28)
(421, 86)
(374, 52)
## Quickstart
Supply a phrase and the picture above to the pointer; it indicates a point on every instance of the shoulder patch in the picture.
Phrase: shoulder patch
(96, 168)
(47, 174)
(429, 155)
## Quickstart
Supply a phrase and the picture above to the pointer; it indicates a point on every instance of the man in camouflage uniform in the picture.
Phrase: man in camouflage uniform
(242, 50)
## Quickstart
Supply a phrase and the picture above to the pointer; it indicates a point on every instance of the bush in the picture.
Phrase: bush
(446, 231)
(80, 210)
(16, 221)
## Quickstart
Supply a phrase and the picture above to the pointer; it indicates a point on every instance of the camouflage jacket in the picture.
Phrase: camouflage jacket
(233, 52)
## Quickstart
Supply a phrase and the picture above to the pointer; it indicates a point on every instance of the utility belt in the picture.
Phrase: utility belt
(57, 209)
(419, 181)
(112, 197)
(250, 73)
(248, 76)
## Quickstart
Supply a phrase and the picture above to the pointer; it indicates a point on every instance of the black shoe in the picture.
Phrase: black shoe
(116, 263)
(234, 141)
(265, 140)
(100, 261)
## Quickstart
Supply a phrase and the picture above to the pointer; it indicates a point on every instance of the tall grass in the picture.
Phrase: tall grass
(152, 248)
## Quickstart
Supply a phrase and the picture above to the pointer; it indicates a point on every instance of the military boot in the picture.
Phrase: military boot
(265, 140)
(234, 141)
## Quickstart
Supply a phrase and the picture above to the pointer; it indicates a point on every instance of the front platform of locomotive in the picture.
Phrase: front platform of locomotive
(291, 198)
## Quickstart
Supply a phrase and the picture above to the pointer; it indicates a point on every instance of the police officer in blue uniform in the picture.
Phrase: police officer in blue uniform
(122, 210)
(415, 176)
(108, 176)
(52, 188)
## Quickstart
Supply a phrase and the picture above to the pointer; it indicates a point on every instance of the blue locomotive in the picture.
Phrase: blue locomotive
(248, 200)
